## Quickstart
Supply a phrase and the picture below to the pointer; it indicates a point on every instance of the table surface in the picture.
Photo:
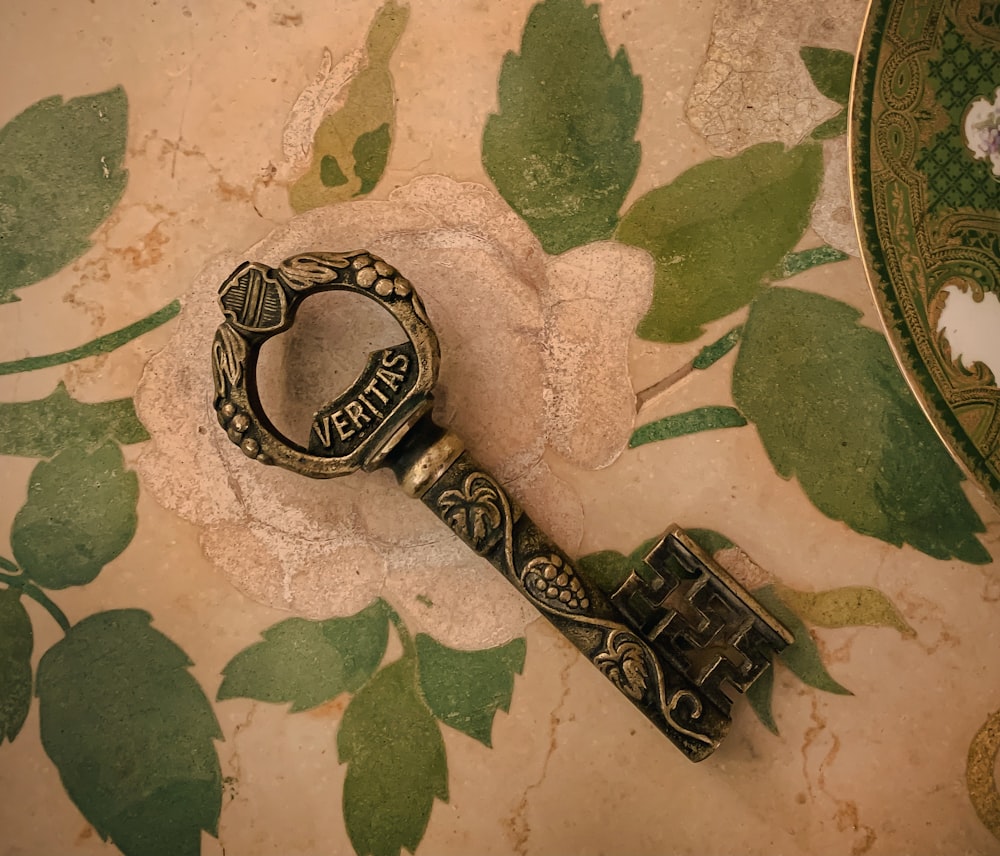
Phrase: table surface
(631, 226)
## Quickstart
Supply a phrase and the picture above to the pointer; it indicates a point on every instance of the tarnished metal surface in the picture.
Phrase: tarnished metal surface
(675, 641)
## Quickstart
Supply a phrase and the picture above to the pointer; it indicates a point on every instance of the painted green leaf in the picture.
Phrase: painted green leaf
(307, 662)
(832, 127)
(16, 642)
(131, 734)
(759, 697)
(80, 515)
(833, 411)
(396, 763)
(41, 428)
(710, 541)
(830, 71)
(330, 173)
(712, 353)
(465, 689)
(608, 569)
(802, 260)
(718, 230)
(802, 656)
(851, 606)
(562, 149)
(371, 153)
(709, 418)
(351, 145)
(60, 175)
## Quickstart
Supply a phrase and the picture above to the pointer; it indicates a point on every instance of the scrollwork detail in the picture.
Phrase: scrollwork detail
(696, 709)
(309, 270)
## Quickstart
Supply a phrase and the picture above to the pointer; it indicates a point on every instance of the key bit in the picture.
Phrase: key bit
(678, 638)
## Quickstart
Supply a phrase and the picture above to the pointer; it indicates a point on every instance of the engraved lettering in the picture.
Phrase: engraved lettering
(322, 429)
(365, 406)
(356, 414)
(372, 389)
(341, 425)
(390, 379)
(369, 405)
(394, 361)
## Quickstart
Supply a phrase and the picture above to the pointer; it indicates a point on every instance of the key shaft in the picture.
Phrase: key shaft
(431, 464)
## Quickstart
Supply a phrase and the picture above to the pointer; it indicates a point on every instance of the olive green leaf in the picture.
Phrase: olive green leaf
(799, 261)
(608, 569)
(562, 149)
(371, 153)
(80, 515)
(759, 698)
(710, 541)
(41, 428)
(396, 763)
(715, 351)
(131, 734)
(718, 230)
(307, 662)
(851, 606)
(833, 411)
(465, 689)
(709, 418)
(802, 656)
(830, 71)
(835, 126)
(60, 175)
(351, 145)
(831, 74)
(330, 173)
(16, 642)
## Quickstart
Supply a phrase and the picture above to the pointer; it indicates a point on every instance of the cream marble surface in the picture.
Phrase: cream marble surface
(573, 768)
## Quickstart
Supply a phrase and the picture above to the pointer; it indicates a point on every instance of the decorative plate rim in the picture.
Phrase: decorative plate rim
(884, 291)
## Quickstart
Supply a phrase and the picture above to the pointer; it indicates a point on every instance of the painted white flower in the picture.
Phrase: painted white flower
(534, 362)
(981, 130)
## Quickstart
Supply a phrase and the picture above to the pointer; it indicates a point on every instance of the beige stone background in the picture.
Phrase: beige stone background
(573, 769)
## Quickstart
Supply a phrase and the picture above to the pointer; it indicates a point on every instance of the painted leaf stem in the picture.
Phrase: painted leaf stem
(705, 358)
(101, 345)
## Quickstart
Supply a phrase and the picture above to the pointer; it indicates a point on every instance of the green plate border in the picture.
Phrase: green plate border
(943, 418)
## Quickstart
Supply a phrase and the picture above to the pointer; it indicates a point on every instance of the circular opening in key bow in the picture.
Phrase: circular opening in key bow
(324, 354)
(359, 424)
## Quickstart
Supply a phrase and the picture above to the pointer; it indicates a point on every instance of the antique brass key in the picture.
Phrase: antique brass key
(675, 638)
